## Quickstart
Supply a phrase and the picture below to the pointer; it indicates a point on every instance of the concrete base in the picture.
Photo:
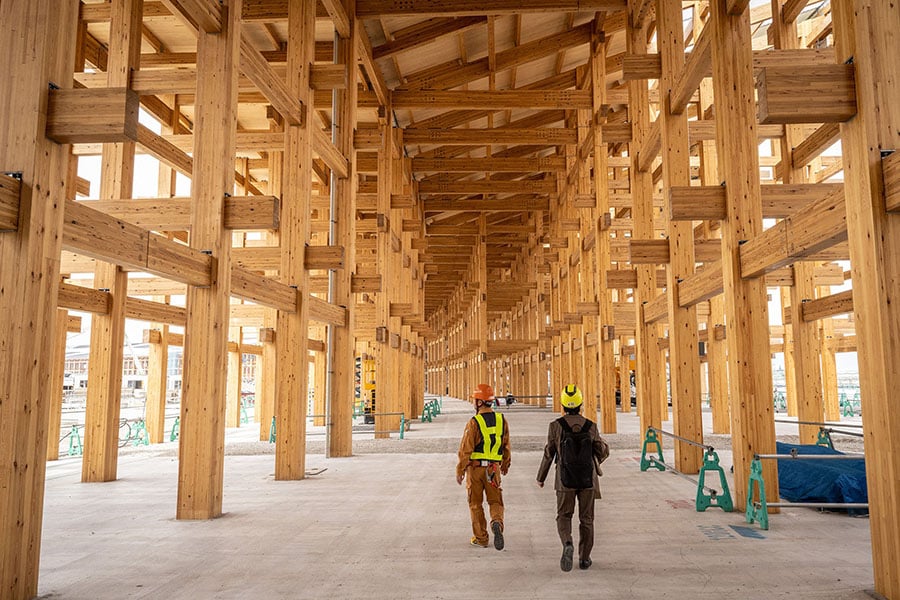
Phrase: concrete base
(391, 522)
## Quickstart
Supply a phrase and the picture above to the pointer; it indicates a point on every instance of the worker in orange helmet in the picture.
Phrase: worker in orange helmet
(484, 455)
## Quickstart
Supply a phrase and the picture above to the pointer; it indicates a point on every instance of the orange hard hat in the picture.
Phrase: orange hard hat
(483, 392)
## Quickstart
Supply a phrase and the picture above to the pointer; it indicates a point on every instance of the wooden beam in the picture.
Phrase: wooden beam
(322, 146)
(493, 100)
(649, 66)
(425, 33)
(165, 152)
(487, 187)
(154, 312)
(173, 214)
(501, 135)
(811, 94)
(257, 69)
(92, 115)
(329, 314)
(324, 257)
(823, 137)
(821, 226)
(891, 175)
(496, 165)
(378, 8)
(339, 17)
(791, 10)
(200, 15)
(695, 69)
(75, 297)
(829, 306)
(9, 202)
(696, 203)
(262, 290)
(527, 204)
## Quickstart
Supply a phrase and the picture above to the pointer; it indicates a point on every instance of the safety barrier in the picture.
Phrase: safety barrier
(76, 448)
(404, 424)
(826, 429)
(431, 409)
(757, 511)
(706, 496)
(176, 426)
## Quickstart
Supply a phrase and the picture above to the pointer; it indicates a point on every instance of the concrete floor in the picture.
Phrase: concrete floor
(391, 522)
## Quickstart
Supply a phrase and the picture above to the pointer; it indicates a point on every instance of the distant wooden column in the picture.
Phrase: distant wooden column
(480, 333)
(830, 396)
(292, 338)
(201, 445)
(234, 379)
(648, 368)
(606, 362)
(57, 376)
(746, 305)
(866, 32)
(340, 442)
(807, 343)
(384, 357)
(37, 42)
(790, 380)
(684, 357)
(157, 379)
(320, 371)
(264, 405)
(104, 388)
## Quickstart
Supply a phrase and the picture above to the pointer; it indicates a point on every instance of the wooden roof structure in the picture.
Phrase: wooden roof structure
(523, 193)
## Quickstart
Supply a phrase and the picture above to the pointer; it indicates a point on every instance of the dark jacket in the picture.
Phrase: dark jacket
(551, 451)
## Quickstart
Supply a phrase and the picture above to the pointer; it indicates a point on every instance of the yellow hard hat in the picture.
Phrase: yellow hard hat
(571, 397)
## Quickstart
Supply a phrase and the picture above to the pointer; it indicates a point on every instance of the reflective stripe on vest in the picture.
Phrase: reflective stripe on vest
(492, 437)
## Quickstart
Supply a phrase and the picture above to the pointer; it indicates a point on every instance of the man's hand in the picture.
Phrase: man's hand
(540, 484)
(504, 471)
(459, 478)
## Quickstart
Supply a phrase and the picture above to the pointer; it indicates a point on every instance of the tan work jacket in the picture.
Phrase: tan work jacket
(471, 437)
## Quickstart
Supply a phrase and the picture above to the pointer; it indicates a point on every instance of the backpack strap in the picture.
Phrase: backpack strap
(564, 424)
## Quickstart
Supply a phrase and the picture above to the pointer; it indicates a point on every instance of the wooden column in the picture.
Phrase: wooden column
(320, 372)
(684, 358)
(58, 372)
(746, 306)
(480, 373)
(829, 365)
(807, 344)
(606, 366)
(266, 385)
(201, 446)
(647, 371)
(384, 356)
(233, 380)
(157, 380)
(866, 31)
(790, 380)
(101, 419)
(340, 441)
(28, 292)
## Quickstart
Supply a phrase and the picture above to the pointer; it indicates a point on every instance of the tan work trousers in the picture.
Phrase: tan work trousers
(565, 508)
(477, 487)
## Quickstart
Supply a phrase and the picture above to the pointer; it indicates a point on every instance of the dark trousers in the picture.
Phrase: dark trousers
(565, 508)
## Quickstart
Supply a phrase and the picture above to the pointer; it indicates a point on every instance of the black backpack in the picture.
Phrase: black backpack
(576, 456)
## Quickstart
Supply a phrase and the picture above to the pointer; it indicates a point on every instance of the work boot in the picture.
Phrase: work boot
(565, 562)
(584, 563)
(498, 535)
(474, 541)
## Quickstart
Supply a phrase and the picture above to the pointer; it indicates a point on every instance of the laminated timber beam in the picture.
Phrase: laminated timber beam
(828, 306)
(891, 176)
(649, 66)
(92, 115)
(381, 8)
(492, 100)
(174, 214)
(425, 33)
(488, 187)
(811, 94)
(699, 203)
(10, 189)
(257, 69)
(821, 226)
(199, 15)
(695, 69)
(501, 135)
(528, 204)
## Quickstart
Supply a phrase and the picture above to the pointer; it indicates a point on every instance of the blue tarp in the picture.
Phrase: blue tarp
(821, 481)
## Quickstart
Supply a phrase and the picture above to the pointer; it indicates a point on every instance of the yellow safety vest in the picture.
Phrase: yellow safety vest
(491, 439)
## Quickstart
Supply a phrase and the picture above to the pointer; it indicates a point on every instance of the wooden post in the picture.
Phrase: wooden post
(233, 380)
(157, 380)
(746, 307)
(58, 372)
(264, 407)
(340, 442)
(201, 446)
(790, 380)
(384, 356)
(28, 292)
(830, 396)
(292, 339)
(684, 358)
(807, 344)
(866, 31)
(647, 371)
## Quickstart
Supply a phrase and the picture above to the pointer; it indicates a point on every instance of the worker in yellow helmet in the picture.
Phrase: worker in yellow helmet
(484, 455)
(574, 443)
